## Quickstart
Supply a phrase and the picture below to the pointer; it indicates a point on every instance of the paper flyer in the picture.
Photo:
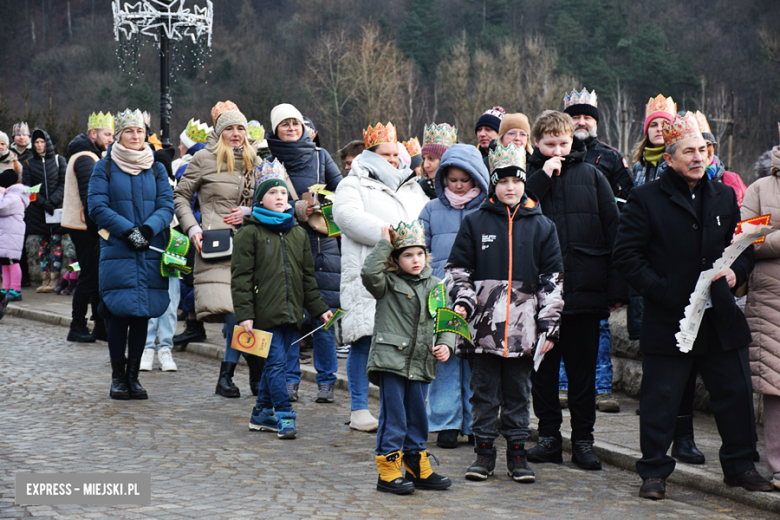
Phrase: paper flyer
(257, 343)
(538, 356)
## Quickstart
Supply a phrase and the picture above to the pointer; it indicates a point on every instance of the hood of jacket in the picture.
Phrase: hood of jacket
(37, 134)
(468, 159)
(531, 207)
(577, 154)
(372, 166)
(82, 143)
(295, 155)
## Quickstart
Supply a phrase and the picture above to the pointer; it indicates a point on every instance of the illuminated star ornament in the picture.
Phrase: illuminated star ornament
(149, 17)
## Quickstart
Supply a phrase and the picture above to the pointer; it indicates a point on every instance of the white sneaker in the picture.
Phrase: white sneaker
(363, 420)
(342, 351)
(147, 360)
(166, 360)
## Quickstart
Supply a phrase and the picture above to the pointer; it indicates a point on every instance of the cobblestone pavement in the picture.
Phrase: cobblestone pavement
(56, 416)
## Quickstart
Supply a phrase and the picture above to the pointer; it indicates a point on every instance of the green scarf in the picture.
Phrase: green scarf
(654, 155)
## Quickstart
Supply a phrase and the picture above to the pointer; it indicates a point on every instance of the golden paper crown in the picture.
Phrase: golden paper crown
(407, 235)
(659, 106)
(412, 146)
(680, 128)
(379, 135)
(256, 131)
(701, 119)
(505, 157)
(127, 119)
(580, 98)
(196, 131)
(222, 106)
(21, 129)
(442, 134)
(101, 121)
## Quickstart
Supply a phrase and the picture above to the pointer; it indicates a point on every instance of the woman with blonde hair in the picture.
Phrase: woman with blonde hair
(222, 174)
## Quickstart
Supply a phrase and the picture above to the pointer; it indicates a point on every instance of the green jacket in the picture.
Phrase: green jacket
(403, 338)
(272, 276)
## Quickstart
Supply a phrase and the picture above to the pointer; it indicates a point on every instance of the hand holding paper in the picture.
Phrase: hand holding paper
(247, 325)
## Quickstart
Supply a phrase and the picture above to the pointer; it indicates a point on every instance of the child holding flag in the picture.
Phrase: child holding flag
(272, 279)
(402, 358)
(506, 244)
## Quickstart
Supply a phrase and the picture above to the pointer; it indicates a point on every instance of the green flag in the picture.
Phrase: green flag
(448, 320)
(336, 315)
(437, 299)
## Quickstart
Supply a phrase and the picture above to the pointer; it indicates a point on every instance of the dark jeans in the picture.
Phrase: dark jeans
(187, 298)
(727, 377)
(87, 289)
(578, 346)
(403, 423)
(126, 331)
(496, 380)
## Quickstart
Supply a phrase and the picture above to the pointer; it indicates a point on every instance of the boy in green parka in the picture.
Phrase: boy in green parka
(402, 359)
(272, 280)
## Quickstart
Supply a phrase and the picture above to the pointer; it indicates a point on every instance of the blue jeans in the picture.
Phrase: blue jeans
(357, 375)
(164, 327)
(231, 355)
(403, 424)
(603, 363)
(448, 397)
(325, 361)
(272, 392)
(187, 297)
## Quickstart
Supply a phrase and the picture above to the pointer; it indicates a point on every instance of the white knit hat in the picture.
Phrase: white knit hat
(284, 111)
(3, 137)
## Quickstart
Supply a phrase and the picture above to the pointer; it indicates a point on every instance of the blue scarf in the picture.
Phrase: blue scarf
(279, 222)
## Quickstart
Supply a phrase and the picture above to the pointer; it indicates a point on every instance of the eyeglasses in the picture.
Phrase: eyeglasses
(513, 134)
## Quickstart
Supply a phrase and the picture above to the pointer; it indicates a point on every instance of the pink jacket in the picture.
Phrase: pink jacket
(13, 202)
(734, 180)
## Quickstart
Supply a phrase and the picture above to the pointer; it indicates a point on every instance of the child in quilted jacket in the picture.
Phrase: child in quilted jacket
(13, 202)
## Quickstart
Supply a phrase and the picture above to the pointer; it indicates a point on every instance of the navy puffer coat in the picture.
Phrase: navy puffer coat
(131, 283)
(307, 164)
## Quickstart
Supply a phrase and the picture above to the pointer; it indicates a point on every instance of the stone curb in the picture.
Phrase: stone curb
(684, 475)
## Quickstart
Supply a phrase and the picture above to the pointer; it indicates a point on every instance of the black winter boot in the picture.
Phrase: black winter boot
(256, 365)
(118, 380)
(80, 334)
(547, 449)
(135, 388)
(194, 332)
(225, 386)
(99, 330)
(583, 456)
(485, 464)
(684, 448)
(420, 473)
(516, 464)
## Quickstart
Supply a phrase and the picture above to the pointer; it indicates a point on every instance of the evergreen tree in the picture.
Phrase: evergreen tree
(421, 36)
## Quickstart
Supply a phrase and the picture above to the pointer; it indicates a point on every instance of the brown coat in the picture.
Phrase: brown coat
(763, 300)
(218, 194)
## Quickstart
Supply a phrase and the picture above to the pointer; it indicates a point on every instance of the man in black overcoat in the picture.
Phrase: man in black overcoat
(670, 231)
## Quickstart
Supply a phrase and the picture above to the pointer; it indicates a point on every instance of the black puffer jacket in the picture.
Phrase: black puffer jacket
(49, 172)
(581, 204)
(613, 165)
(83, 169)
(307, 164)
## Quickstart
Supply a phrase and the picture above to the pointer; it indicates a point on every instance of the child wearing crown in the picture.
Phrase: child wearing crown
(402, 357)
(505, 277)
(272, 280)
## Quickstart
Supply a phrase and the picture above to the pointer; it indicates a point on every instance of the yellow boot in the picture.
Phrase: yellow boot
(390, 478)
(420, 473)
(44, 283)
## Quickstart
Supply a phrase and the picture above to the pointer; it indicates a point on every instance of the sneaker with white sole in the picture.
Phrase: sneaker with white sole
(166, 360)
(362, 420)
(263, 421)
(342, 352)
(147, 360)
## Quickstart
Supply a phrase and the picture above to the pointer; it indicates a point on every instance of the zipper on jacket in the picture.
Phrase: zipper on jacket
(268, 242)
(286, 279)
(509, 281)
(413, 346)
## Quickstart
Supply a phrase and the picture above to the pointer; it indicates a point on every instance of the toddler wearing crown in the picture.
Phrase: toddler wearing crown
(403, 354)
(272, 280)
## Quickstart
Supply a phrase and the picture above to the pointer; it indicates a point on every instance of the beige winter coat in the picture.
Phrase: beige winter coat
(218, 194)
(763, 300)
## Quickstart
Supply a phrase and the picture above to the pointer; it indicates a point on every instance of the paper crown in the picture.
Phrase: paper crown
(580, 98)
(21, 129)
(268, 170)
(222, 106)
(412, 146)
(407, 235)
(660, 106)
(129, 118)
(101, 121)
(506, 157)
(148, 119)
(255, 130)
(701, 119)
(680, 128)
(196, 131)
(442, 134)
(379, 135)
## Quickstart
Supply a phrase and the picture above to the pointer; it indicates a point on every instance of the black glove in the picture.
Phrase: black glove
(49, 207)
(147, 232)
(136, 240)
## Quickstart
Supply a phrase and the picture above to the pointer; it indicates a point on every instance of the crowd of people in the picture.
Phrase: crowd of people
(531, 239)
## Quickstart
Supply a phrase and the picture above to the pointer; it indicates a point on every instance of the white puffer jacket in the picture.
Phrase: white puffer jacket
(363, 204)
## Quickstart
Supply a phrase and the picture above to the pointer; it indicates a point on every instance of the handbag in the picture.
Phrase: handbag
(217, 243)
